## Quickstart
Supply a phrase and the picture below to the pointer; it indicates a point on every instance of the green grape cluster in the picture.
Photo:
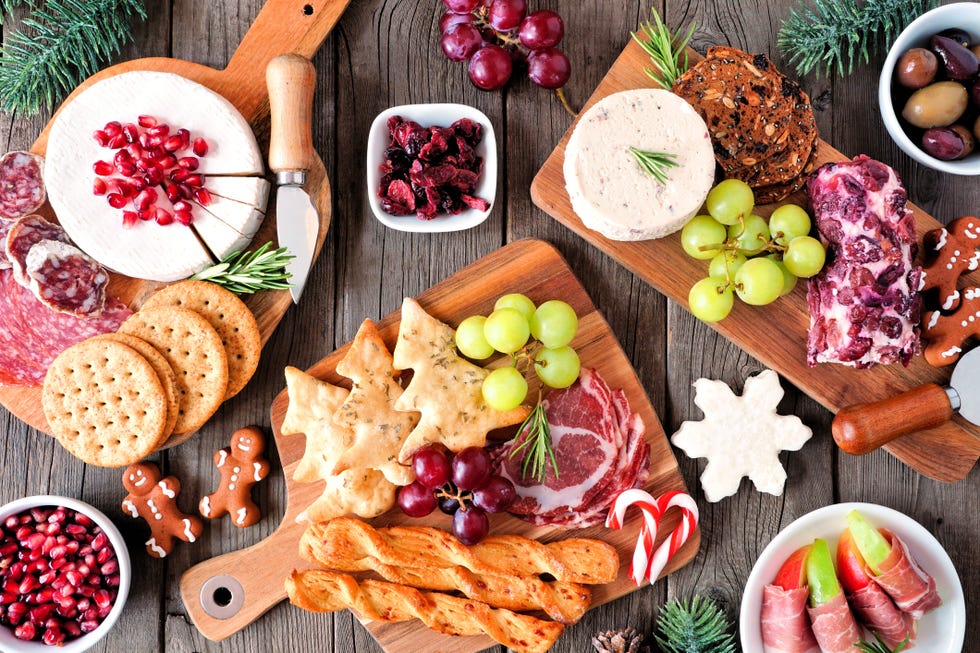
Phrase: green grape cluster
(538, 336)
(756, 260)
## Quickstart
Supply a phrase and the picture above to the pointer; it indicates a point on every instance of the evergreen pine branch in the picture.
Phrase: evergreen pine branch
(6, 6)
(837, 35)
(695, 626)
(70, 40)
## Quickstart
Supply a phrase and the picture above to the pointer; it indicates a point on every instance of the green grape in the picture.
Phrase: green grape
(726, 264)
(750, 236)
(804, 256)
(554, 323)
(789, 279)
(506, 330)
(557, 368)
(711, 299)
(517, 301)
(700, 232)
(787, 222)
(759, 281)
(470, 339)
(729, 200)
(504, 389)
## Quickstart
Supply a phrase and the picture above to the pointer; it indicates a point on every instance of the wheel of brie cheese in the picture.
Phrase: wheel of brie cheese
(232, 169)
(609, 190)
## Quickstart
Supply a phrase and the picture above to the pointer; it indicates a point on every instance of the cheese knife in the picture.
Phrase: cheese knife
(291, 79)
(863, 428)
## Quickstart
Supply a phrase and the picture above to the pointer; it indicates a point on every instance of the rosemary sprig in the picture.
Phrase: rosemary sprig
(655, 163)
(245, 272)
(666, 50)
(695, 626)
(7, 6)
(879, 646)
(836, 35)
(536, 445)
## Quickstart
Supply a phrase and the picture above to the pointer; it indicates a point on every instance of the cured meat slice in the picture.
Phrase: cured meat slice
(785, 624)
(32, 335)
(864, 306)
(66, 279)
(875, 610)
(21, 184)
(912, 589)
(834, 626)
(23, 235)
(5, 226)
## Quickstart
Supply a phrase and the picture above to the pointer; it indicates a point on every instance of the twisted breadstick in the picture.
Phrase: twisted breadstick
(328, 591)
(344, 541)
(564, 602)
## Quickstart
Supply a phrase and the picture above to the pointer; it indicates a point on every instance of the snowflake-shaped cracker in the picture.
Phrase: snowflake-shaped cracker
(741, 436)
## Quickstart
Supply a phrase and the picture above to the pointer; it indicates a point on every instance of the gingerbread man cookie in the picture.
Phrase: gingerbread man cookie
(241, 466)
(947, 333)
(955, 248)
(155, 500)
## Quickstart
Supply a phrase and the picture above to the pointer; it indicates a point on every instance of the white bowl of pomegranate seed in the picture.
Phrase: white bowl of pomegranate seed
(431, 167)
(64, 575)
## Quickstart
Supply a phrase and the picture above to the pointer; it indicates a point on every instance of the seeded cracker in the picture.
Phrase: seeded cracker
(445, 388)
(194, 350)
(105, 403)
(229, 316)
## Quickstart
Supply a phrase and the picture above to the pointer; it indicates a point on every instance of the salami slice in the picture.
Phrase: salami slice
(66, 278)
(21, 184)
(32, 335)
(24, 234)
(5, 226)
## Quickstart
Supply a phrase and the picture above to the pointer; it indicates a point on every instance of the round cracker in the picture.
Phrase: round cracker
(194, 350)
(165, 373)
(229, 316)
(104, 403)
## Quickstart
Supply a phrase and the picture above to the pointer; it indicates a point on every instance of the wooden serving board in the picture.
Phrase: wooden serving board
(536, 269)
(282, 26)
(775, 334)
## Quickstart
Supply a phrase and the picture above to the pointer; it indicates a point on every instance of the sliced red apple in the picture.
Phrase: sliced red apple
(792, 574)
(851, 567)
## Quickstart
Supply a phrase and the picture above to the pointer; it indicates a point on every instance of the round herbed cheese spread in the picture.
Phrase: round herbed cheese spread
(609, 190)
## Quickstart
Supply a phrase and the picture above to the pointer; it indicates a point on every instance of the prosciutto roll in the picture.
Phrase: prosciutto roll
(875, 610)
(911, 588)
(785, 624)
(834, 626)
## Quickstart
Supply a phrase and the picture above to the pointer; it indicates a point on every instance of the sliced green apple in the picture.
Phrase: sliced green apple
(792, 575)
(872, 544)
(820, 574)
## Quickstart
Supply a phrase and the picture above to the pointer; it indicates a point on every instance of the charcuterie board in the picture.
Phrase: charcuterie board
(775, 334)
(282, 26)
(531, 267)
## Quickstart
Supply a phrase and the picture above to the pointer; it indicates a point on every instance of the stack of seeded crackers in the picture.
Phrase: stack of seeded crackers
(113, 399)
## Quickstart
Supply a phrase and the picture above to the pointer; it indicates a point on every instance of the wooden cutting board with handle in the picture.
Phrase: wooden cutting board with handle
(282, 26)
(774, 334)
(225, 594)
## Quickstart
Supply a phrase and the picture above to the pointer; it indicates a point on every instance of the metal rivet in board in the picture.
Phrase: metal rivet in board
(222, 597)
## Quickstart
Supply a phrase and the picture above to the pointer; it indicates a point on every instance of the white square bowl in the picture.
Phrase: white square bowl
(428, 115)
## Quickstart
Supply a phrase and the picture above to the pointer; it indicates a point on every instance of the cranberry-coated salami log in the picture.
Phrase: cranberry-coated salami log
(66, 278)
(24, 234)
(21, 184)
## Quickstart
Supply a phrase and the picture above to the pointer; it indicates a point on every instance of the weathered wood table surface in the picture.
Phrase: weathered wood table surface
(384, 53)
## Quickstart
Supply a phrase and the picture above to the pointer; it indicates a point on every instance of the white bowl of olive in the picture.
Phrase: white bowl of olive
(929, 90)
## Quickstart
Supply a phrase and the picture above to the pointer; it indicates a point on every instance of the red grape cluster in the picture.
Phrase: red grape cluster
(460, 485)
(497, 35)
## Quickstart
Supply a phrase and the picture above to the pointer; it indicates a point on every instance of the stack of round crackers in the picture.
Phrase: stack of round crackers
(115, 398)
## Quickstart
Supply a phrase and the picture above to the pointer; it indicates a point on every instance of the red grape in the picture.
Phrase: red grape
(490, 67)
(461, 6)
(541, 29)
(416, 500)
(431, 467)
(548, 68)
(460, 42)
(471, 525)
(449, 504)
(449, 19)
(471, 467)
(495, 495)
(506, 15)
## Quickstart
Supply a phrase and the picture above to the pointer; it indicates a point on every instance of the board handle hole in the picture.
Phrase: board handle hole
(308, 10)
(222, 597)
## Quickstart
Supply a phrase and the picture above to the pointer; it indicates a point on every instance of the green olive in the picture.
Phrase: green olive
(936, 105)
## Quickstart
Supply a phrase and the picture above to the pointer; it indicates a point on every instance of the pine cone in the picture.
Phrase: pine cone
(626, 640)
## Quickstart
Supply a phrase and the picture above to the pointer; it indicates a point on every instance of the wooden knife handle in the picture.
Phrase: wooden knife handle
(863, 428)
(291, 80)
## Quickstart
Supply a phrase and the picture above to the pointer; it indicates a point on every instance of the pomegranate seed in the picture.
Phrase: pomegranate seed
(48, 577)
(172, 191)
(10, 586)
(69, 612)
(130, 218)
(49, 543)
(203, 196)
(102, 598)
(155, 141)
(88, 625)
(26, 631)
(122, 156)
(40, 613)
(144, 140)
(15, 571)
(172, 144)
(44, 595)
(167, 161)
(38, 565)
(184, 217)
(188, 162)
(130, 132)
(83, 604)
(195, 181)
(159, 130)
(112, 128)
(104, 612)
(146, 215)
(112, 581)
(11, 522)
(41, 514)
(91, 613)
(200, 147)
(147, 121)
(154, 176)
(64, 601)
(6, 598)
(182, 205)
(29, 584)
(58, 516)
(145, 163)
(100, 137)
(84, 568)
(185, 138)
(53, 636)
(103, 168)
(103, 555)
(98, 186)
(71, 628)
(135, 152)
(116, 200)
(164, 217)
(142, 202)
(34, 541)
(72, 547)
(16, 612)
(178, 175)
(126, 168)
(85, 550)
(117, 141)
